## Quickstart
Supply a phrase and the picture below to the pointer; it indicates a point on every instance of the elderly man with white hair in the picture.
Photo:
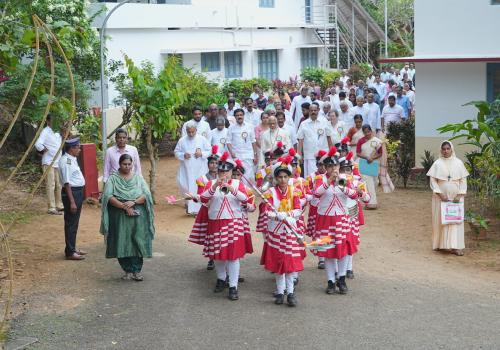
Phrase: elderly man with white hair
(323, 113)
(192, 150)
(346, 115)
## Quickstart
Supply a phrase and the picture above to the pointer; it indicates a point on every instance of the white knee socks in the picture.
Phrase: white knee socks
(233, 270)
(343, 266)
(220, 269)
(330, 265)
(284, 281)
(349, 262)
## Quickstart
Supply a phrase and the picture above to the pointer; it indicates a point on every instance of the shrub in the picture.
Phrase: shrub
(242, 88)
(329, 77)
(359, 71)
(313, 74)
(405, 154)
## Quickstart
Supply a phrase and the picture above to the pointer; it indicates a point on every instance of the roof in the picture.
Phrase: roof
(236, 48)
(433, 58)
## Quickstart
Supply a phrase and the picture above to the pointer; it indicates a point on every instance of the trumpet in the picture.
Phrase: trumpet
(342, 181)
(224, 189)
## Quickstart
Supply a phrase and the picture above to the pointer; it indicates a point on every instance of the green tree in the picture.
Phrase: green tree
(71, 24)
(155, 101)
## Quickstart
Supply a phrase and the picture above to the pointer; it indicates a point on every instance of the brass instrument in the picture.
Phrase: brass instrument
(225, 190)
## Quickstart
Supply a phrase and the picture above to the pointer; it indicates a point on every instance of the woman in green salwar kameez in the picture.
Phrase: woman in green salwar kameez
(127, 219)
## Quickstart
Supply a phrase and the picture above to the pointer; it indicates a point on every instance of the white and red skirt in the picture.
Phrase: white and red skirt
(225, 239)
(247, 234)
(352, 240)
(311, 220)
(281, 253)
(337, 227)
(361, 215)
(262, 220)
(199, 231)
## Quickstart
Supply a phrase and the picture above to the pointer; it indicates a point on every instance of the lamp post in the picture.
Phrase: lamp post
(385, 24)
(102, 38)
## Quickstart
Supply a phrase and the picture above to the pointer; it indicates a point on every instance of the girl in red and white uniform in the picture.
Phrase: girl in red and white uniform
(265, 175)
(225, 241)
(247, 207)
(313, 180)
(333, 221)
(282, 253)
(199, 231)
(354, 208)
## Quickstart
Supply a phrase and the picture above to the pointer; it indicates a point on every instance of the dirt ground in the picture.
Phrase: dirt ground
(396, 244)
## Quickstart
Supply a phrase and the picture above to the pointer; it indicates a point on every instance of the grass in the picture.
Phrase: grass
(7, 217)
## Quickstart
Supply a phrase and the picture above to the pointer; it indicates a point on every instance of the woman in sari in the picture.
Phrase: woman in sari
(355, 133)
(127, 219)
(259, 129)
(448, 180)
(369, 148)
(383, 174)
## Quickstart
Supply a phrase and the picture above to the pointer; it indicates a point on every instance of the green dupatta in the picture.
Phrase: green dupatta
(126, 190)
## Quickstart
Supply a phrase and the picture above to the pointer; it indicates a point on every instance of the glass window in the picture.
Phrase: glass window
(266, 3)
(210, 62)
(495, 2)
(232, 64)
(493, 81)
(308, 57)
(268, 64)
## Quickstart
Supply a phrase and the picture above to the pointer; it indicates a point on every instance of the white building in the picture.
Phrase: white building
(229, 39)
(457, 58)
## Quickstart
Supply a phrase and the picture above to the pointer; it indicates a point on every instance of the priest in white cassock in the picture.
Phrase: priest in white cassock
(202, 127)
(192, 150)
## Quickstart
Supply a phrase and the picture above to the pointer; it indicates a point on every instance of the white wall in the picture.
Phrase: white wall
(442, 89)
(209, 13)
(447, 28)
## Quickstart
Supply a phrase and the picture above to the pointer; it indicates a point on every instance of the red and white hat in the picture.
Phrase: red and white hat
(331, 157)
(283, 164)
(225, 164)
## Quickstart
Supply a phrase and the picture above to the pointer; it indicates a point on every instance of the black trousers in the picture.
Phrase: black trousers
(71, 220)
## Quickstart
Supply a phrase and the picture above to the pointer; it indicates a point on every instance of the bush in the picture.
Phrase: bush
(313, 74)
(329, 77)
(359, 72)
(242, 88)
(405, 154)
(89, 128)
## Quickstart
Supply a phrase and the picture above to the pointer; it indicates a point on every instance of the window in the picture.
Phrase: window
(308, 57)
(495, 2)
(492, 81)
(268, 64)
(266, 3)
(210, 62)
(232, 64)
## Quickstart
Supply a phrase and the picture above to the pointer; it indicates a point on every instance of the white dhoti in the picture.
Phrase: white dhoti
(249, 171)
(371, 187)
(310, 166)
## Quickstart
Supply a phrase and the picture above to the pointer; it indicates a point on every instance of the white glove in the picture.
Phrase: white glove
(271, 214)
(281, 216)
(291, 221)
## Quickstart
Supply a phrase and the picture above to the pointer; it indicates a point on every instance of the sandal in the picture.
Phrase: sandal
(137, 277)
(127, 276)
(458, 252)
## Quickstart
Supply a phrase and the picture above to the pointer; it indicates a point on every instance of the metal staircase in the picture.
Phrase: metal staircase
(345, 29)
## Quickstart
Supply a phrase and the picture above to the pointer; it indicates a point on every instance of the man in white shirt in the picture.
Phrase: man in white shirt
(313, 135)
(296, 107)
(385, 75)
(410, 94)
(314, 98)
(218, 136)
(252, 115)
(391, 113)
(231, 105)
(360, 108)
(288, 116)
(344, 76)
(48, 144)
(346, 115)
(202, 127)
(241, 144)
(72, 181)
(113, 154)
(342, 98)
(288, 128)
(323, 113)
(405, 70)
(411, 71)
(373, 113)
(379, 86)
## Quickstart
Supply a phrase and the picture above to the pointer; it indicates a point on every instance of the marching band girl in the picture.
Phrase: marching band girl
(225, 242)
(282, 253)
(333, 220)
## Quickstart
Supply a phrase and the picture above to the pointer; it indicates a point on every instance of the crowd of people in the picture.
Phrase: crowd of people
(307, 161)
